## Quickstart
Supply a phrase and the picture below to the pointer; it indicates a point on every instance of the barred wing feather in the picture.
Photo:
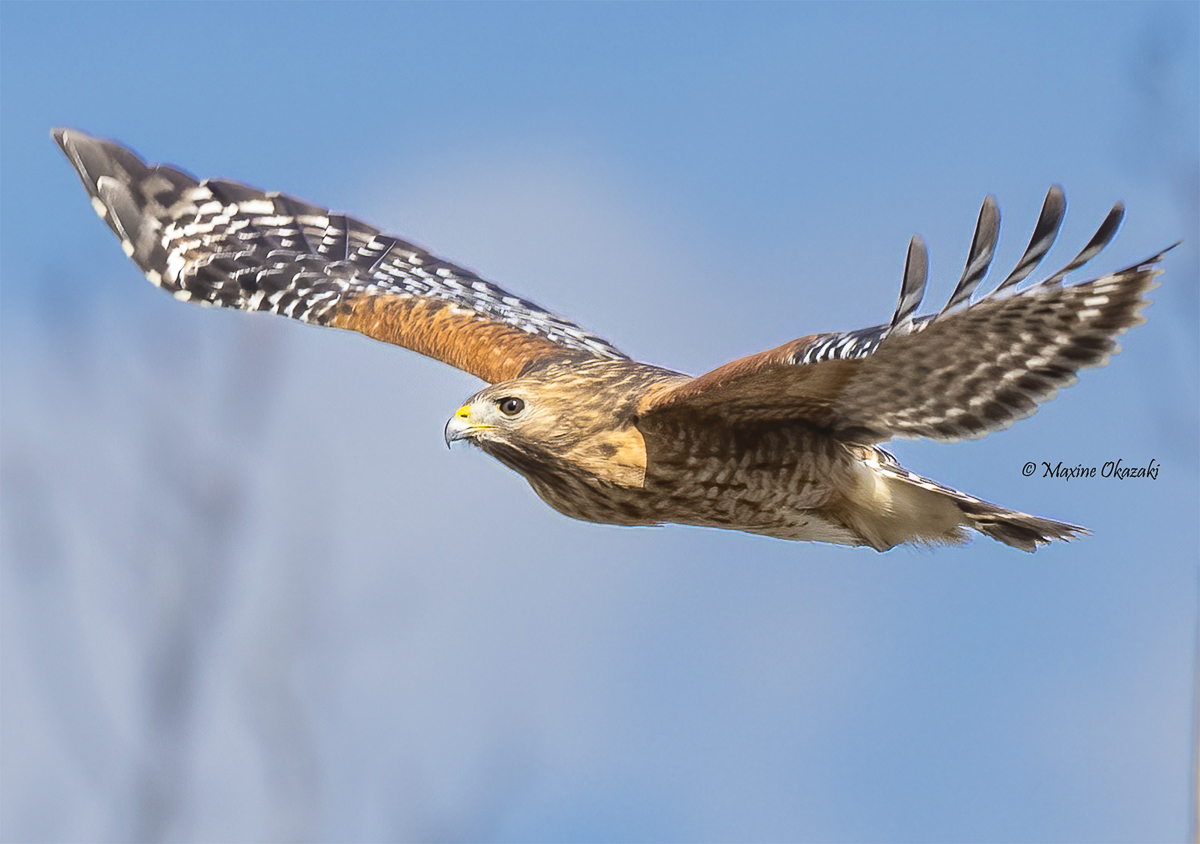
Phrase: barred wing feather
(959, 374)
(229, 245)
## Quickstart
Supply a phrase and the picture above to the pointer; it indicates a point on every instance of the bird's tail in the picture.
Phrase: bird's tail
(1020, 530)
(909, 508)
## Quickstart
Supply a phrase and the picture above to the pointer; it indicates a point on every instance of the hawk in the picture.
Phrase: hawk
(783, 443)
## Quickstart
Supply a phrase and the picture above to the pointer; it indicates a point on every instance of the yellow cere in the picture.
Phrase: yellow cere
(464, 412)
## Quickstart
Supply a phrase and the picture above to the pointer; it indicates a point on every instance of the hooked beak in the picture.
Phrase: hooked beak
(460, 427)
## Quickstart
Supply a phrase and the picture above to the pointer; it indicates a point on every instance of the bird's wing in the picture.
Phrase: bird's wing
(970, 369)
(225, 244)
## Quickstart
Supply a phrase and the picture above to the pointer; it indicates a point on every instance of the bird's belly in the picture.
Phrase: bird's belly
(778, 502)
(784, 485)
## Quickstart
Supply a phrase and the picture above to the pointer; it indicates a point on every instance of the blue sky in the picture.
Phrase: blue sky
(248, 595)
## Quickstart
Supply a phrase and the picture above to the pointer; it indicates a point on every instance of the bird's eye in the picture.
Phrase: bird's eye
(511, 406)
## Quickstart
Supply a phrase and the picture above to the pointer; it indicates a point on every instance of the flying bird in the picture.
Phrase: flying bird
(783, 443)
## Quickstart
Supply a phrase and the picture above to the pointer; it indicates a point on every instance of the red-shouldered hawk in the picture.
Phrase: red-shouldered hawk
(782, 443)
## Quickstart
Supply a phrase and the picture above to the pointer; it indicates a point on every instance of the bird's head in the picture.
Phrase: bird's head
(569, 419)
(520, 415)
(491, 418)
